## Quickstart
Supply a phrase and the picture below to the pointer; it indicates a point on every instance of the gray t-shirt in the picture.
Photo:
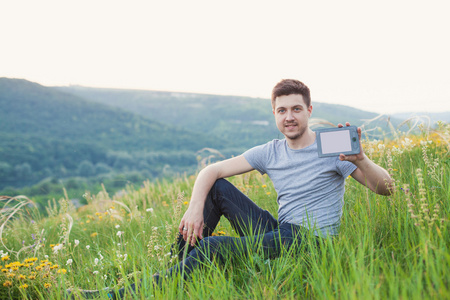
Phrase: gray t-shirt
(310, 189)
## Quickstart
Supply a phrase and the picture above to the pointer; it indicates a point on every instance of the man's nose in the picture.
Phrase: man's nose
(289, 115)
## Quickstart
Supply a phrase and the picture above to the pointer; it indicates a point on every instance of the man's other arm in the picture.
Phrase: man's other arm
(373, 176)
(193, 217)
(368, 173)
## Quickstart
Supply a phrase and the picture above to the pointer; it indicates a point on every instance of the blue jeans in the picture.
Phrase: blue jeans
(258, 230)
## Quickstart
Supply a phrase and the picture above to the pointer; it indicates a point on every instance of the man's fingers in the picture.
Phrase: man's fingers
(199, 231)
(180, 227)
(189, 235)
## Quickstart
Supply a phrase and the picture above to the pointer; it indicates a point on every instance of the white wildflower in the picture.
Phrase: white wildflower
(95, 272)
(69, 262)
(57, 248)
(76, 242)
(87, 247)
(96, 261)
(119, 233)
(117, 226)
(149, 210)
(125, 257)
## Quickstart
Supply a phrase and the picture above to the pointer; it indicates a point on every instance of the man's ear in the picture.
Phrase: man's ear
(273, 111)
(310, 108)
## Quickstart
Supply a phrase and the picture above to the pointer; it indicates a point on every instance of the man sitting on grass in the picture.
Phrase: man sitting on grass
(310, 191)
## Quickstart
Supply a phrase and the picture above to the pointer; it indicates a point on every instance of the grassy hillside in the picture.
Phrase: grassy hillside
(394, 247)
(46, 133)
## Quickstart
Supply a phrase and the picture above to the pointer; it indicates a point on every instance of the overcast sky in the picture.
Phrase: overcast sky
(380, 56)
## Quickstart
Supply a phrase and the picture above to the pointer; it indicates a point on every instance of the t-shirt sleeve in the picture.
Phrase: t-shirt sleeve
(257, 157)
(345, 168)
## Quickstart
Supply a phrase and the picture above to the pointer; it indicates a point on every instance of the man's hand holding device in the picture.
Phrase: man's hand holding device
(341, 141)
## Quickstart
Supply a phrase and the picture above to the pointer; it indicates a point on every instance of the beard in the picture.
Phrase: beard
(295, 135)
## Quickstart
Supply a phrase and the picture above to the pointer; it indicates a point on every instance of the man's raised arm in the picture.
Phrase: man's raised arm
(368, 173)
(193, 217)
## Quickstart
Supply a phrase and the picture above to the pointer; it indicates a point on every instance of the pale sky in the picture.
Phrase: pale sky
(380, 56)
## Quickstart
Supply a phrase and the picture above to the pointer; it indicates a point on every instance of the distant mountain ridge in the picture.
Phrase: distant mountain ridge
(248, 121)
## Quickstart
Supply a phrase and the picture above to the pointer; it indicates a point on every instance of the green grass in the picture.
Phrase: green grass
(379, 254)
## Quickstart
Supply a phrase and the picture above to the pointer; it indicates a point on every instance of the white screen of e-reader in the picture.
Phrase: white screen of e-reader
(335, 141)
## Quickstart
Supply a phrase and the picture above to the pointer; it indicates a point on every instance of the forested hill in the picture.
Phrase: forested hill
(45, 132)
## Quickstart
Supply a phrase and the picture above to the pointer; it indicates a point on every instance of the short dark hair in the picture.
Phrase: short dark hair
(288, 87)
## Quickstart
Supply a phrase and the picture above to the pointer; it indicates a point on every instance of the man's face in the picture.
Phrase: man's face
(291, 115)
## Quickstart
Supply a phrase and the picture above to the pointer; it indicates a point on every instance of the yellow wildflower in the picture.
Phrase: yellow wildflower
(47, 285)
(98, 214)
(94, 234)
(7, 283)
(23, 286)
(54, 267)
(221, 232)
(268, 193)
(11, 275)
(5, 258)
(185, 202)
(21, 277)
(62, 271)
(264, 186)
(88, 221)
(32, 277)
